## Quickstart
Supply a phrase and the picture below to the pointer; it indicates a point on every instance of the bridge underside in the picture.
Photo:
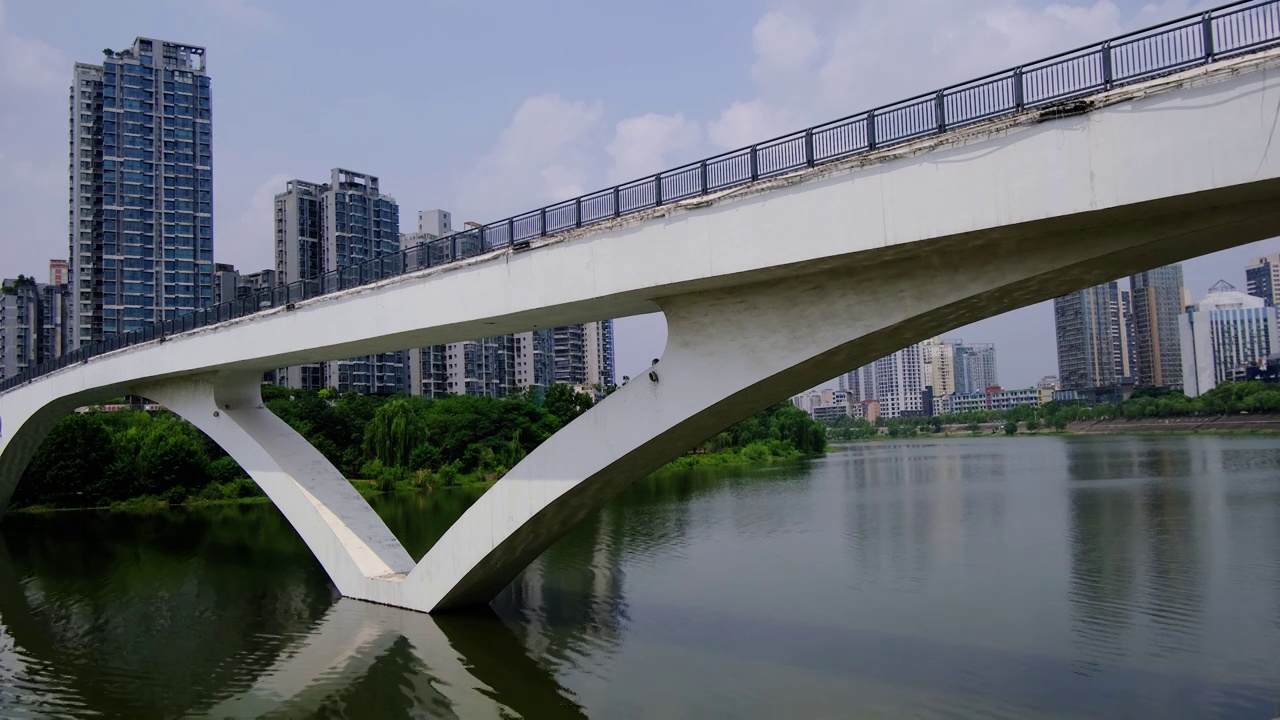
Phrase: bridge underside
(752, 332)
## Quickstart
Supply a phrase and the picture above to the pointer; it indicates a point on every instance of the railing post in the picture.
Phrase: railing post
(1106, 65)
(1019, 98)
(617, 202)
(871, 130)
(511, 236)
(755, 164)
(702, 166)
(1206, 25)
(808, 147)
(940, 111)
(657, 189)
(577, 212)
(542, 222)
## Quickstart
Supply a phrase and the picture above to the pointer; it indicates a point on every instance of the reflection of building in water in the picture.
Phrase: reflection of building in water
(1135, 568)
(576, 585)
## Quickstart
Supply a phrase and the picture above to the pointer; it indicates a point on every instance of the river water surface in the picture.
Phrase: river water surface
(973, 578)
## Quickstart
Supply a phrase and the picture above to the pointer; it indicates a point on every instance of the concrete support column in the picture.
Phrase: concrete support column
(355, 547)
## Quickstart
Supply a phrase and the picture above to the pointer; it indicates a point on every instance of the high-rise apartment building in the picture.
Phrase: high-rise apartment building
(579, 355)
(1093, 337)
(141, 178)
(20, 330)
(939, 357)
(32, 324)
(899, 382)
(1158, 300)
(859, 384)
(323, 227)
(598, 341)
(1226, 330)
(975, 367)
(1262, 278)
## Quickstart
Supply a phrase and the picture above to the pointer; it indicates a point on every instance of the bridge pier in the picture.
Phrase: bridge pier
(362, 557)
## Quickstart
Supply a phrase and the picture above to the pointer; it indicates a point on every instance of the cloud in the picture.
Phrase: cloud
(247, 241)
(245, 14)
(30, 64)
(821, 59)
(651, 143)
(549, 151)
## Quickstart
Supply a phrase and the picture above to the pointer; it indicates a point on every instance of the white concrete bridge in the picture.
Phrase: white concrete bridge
(768, 288)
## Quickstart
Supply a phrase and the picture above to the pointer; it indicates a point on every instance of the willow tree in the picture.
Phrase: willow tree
(397, 428)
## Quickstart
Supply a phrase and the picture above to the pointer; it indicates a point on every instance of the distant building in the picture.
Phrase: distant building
(1092, 332)
(33, 324)
(899, 380)
(58, 272)
(579, 355)
(1008, 399)
(939, 356)
(994, 398)
(229, 284)
(1158, 300)
(868, 410)
(326, 227)
(860, 383)
(829, 413)
(1226, 330)
(1262, 279)
(975, 367)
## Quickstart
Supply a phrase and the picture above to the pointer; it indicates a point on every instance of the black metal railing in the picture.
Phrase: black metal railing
(1234, 29)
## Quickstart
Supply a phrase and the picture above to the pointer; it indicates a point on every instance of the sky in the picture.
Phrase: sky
(492, 107)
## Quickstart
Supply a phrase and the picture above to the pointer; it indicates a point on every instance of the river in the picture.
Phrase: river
(1054, 577)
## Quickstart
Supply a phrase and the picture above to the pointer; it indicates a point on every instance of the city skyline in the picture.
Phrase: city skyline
(546, 139)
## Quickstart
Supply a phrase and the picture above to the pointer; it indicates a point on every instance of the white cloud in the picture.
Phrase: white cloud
(30, 64)
(750, 121)
(819, 59)
(246, 242)
(550, 151)
(245, 14)
(651, 143)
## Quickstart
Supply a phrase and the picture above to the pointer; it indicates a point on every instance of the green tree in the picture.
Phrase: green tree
(1011, 428)
(396, 430)
(566, 403)
(67, 469)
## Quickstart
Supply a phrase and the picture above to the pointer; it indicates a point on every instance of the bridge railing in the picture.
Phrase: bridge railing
(1230, 30)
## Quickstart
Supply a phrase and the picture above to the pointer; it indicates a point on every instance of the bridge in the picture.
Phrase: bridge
(777, 267)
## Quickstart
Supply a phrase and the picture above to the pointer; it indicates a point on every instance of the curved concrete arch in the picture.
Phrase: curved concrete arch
(352, 543)
(733, 352)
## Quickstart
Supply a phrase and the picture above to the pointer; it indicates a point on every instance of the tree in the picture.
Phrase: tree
(69, 463)
(566, 403)
(1010, 428)
(396, 430)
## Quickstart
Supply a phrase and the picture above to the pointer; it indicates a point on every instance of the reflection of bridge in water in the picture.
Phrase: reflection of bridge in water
(1019, 187)
(385, 661)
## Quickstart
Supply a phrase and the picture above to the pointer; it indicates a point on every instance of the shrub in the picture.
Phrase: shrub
(448, 475)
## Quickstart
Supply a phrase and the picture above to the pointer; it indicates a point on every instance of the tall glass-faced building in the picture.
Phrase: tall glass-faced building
(141, 171)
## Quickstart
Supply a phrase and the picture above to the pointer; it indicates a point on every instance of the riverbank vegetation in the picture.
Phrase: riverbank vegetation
(1231, 398)
(144, 459)
(777, 433)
